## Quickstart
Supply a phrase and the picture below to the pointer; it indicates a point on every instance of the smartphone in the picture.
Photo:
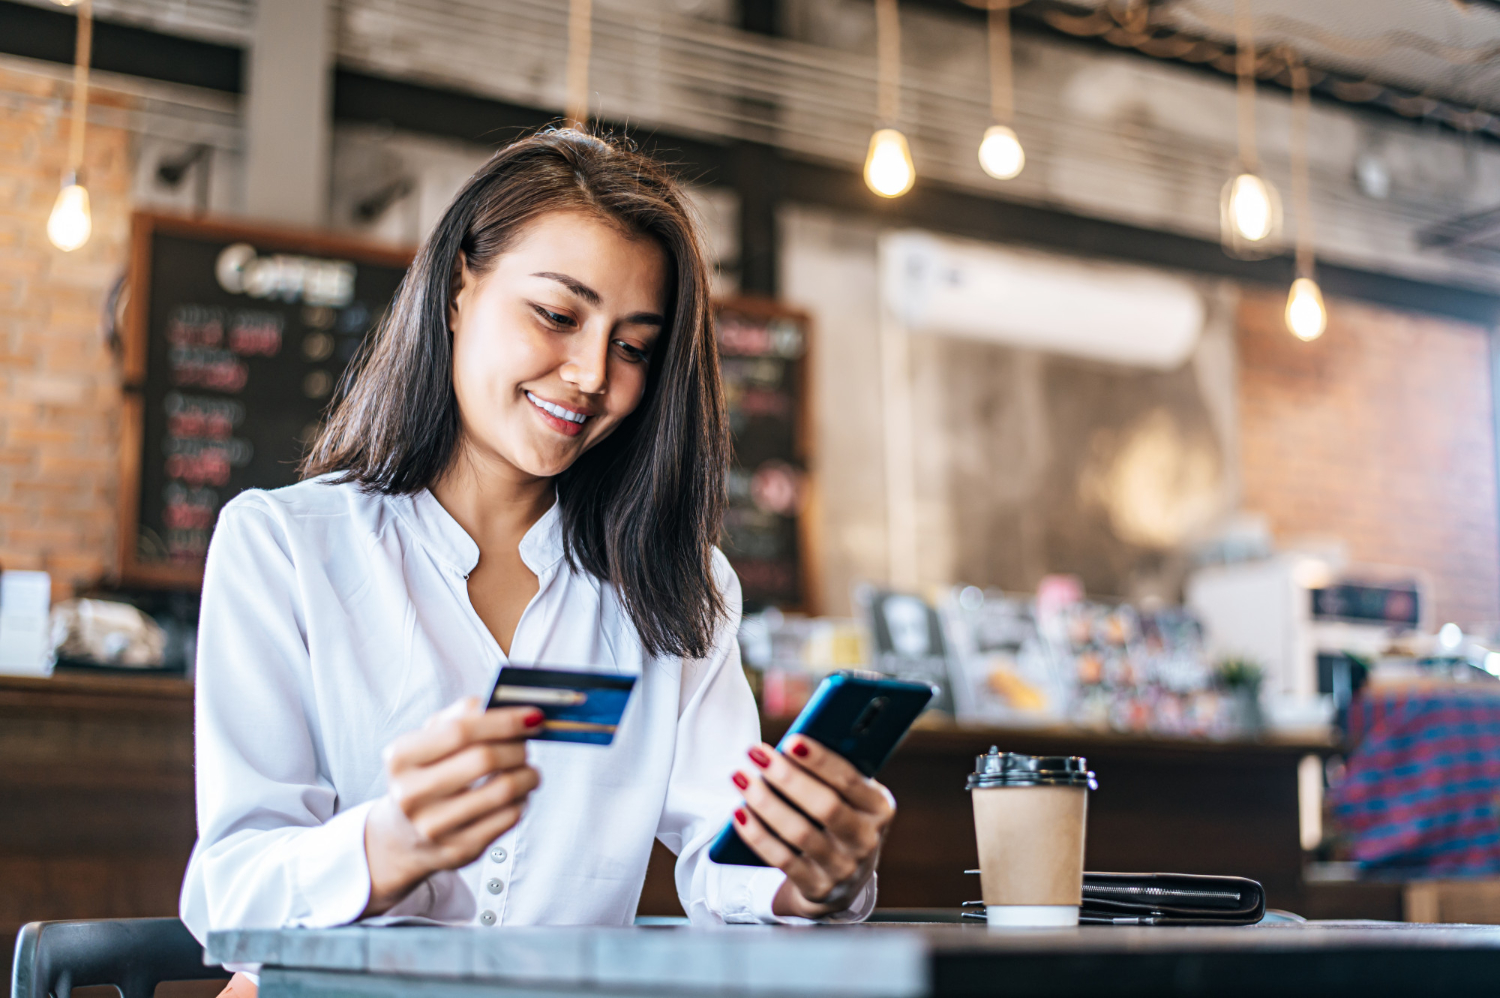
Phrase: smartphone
(862, 716)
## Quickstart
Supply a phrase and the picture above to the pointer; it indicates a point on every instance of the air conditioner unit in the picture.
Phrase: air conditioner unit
(1103, 311)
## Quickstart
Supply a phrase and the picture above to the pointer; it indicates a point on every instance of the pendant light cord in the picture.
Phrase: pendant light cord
(888, 61)
(82, 55)
(1244, 67)
(1301, 181)
(1002, 82)
(580, 42)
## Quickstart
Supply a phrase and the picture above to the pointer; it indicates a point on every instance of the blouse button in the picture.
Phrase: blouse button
(494, 885)
(486, 918)
(497, 855)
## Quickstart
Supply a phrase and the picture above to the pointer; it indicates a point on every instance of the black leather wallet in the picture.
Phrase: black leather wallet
(1170, 899)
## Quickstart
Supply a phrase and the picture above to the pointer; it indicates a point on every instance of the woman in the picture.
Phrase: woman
(528, 466)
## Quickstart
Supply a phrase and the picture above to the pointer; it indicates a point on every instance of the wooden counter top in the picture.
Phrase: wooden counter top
(119, 692)
(945, 737)
(106, 691)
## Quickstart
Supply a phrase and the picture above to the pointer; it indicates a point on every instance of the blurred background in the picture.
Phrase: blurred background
(1124, 368)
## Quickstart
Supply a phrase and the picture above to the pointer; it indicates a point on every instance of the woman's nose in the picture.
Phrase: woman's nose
(587, 365)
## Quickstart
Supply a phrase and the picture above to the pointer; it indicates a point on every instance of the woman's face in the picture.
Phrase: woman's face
(551, 347)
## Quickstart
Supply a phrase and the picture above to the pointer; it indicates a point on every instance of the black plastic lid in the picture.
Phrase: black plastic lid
(1011, 769)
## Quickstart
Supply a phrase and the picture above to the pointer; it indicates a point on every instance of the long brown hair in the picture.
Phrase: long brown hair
(642, 509)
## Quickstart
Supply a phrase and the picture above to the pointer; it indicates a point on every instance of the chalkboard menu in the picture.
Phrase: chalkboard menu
(235, 338)
(763, 351)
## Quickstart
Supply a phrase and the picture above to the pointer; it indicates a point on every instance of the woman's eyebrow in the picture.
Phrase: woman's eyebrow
(593, 297)
(574, 285)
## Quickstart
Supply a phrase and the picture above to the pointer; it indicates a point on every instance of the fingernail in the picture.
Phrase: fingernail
(741, 780)
(534, 718)
(759, 757)
(740, 816)
(799, 749)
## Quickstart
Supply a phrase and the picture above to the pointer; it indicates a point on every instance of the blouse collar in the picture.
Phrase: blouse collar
(450, 543)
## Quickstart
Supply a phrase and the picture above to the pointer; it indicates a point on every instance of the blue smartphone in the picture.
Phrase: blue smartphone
(862, 716)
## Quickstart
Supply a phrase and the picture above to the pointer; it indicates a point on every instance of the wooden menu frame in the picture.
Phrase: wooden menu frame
(810, 511)
(135, 341)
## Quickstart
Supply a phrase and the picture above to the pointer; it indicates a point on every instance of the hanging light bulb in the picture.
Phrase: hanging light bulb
(71, 222)
(1000, 153)
(1306, 315)
(889, 171)
(1251, 207)
(1249, 217)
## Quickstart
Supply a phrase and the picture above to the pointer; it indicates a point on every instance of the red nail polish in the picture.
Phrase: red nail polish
(800, 750)
(759, 757)
(534, 718)
(740, 816)
(741, 780)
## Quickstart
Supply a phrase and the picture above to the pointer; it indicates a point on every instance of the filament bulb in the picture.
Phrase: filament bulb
(1000, 153)
(71, 222)
(1250, 208)
(889, 171)
(1306, 315)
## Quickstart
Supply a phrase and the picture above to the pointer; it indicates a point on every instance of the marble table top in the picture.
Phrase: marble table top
(874, 961)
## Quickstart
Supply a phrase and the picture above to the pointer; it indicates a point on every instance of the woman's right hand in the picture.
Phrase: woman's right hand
(436, 814)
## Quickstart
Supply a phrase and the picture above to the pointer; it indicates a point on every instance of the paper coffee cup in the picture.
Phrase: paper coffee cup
(1030, 813)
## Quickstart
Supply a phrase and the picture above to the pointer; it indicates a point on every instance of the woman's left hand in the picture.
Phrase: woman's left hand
(829, 843)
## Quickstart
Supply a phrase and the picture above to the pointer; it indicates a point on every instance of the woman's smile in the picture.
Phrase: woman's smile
(559, 417)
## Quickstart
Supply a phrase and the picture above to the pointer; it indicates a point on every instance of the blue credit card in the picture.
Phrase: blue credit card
(576, 706)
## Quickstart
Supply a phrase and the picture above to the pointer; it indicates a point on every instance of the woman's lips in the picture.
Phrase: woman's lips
(568, 422)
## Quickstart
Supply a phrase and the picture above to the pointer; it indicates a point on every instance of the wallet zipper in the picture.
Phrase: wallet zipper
(1163, 892)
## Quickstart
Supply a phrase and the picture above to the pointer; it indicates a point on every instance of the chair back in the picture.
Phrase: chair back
(133, 954)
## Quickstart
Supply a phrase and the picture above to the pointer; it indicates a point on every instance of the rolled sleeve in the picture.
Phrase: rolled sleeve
(763, 895)
(332, 871)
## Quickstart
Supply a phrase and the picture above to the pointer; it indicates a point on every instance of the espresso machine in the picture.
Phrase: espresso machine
(1309, 624)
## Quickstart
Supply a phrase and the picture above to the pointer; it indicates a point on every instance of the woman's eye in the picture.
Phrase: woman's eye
(633, 354)
(555, 318)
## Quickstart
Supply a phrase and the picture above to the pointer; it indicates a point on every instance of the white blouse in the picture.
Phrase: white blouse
(333, 621)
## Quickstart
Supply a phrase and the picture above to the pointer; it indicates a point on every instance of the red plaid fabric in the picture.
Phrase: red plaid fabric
(1421, 792)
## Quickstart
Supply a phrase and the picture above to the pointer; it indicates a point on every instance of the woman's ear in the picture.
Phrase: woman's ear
(456, 287)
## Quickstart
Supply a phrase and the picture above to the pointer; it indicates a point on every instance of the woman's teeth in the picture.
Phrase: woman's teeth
(556, 410)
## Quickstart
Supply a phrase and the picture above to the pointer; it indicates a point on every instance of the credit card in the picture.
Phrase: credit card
(576, 706)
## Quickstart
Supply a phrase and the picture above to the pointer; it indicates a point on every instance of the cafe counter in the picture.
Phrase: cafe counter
(96, 787)
(96, 781)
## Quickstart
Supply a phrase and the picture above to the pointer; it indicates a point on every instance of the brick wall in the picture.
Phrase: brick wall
(1380, 434)
(59, 383)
